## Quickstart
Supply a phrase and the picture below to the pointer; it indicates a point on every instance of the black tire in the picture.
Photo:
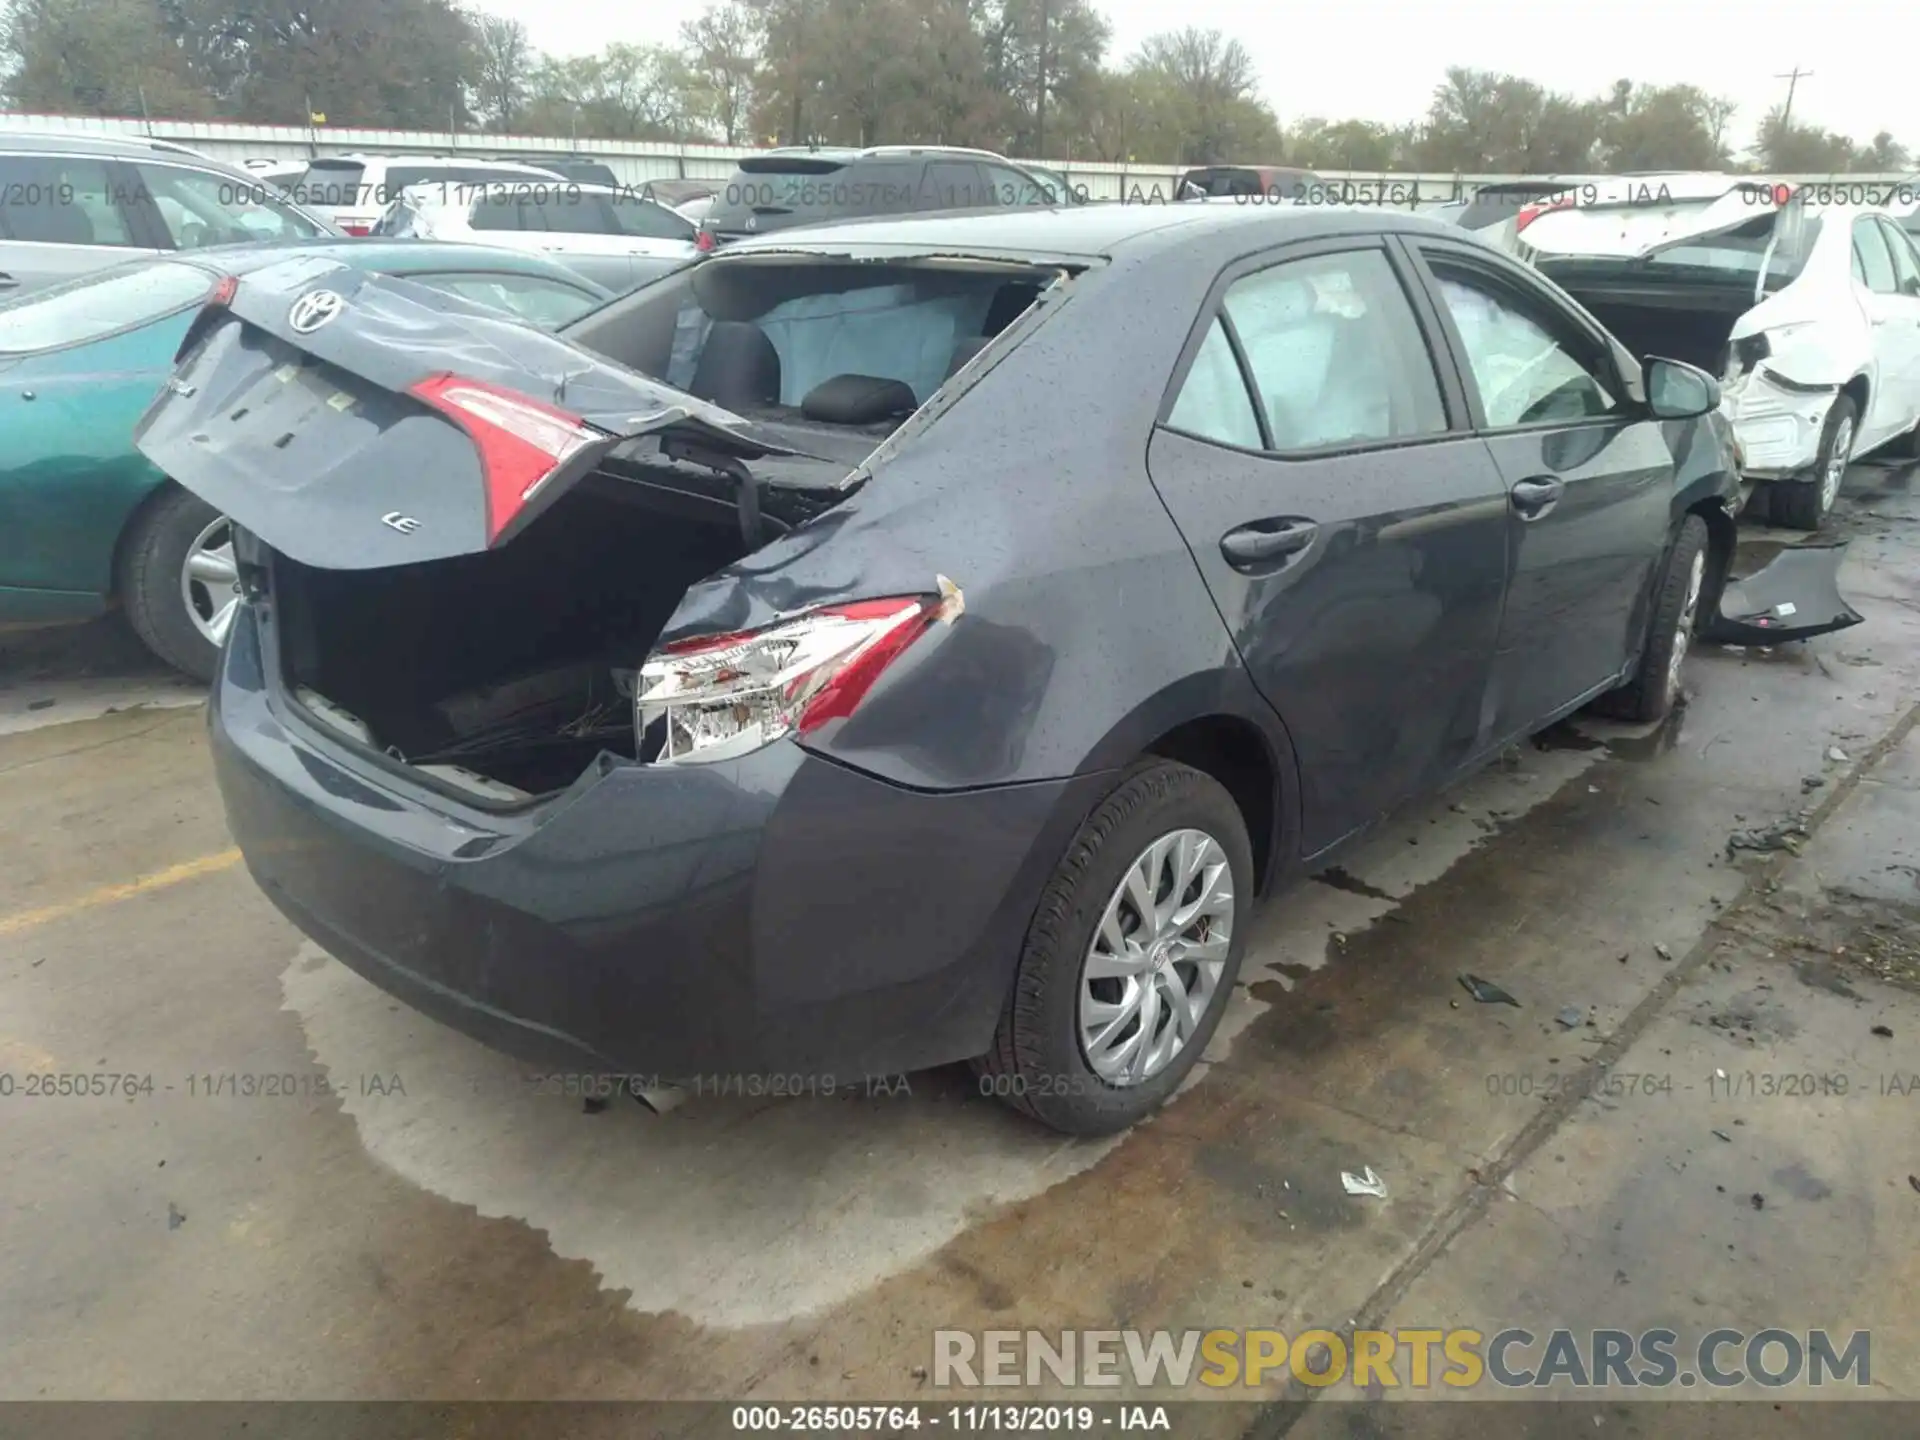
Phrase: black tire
(1799, 504)
(1036, 1064)
(152, 556)
(1654, 686)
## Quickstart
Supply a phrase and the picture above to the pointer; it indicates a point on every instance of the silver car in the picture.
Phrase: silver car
(71, 204)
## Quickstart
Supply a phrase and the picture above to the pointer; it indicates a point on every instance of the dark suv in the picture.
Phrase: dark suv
(779, 189)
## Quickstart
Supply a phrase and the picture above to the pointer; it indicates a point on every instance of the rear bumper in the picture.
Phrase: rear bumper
(777, 915)
(1779, 428)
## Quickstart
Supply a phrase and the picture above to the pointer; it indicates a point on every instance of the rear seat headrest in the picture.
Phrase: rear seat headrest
(858, 400)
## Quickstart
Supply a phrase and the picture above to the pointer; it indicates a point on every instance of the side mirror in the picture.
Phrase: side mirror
(1678, 391)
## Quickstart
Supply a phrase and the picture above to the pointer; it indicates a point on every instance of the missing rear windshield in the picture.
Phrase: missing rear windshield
(825, 342)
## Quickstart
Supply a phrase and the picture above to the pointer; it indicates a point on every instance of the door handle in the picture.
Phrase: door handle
(1251, 546)
(1534, 497)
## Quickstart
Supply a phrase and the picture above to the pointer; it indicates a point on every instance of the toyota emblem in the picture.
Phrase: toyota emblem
(315, 309)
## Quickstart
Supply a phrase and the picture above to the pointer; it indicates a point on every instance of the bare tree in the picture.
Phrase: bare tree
(723, 54)
(503, 69)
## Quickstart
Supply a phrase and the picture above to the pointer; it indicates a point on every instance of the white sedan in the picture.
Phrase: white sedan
(617, 237)
(1811, 315)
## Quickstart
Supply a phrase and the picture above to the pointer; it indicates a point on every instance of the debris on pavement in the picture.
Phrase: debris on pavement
(1837, 755)
(1663, 952)
(1914, 1181)
(176, 1217)
(1365, 1183)
(1811, 783)
(1757, 1200)
(1885, 1032)
(1570, 1018)
(1486, 992)
(1781, 835)
(1722, 1135)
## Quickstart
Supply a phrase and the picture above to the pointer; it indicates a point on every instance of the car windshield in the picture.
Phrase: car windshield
(761, 337)
(106, 301)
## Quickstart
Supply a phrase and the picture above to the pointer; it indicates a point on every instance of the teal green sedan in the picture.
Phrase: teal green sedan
(86, 522)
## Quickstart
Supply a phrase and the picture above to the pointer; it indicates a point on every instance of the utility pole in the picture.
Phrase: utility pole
(1040, 104)
(1793, 77)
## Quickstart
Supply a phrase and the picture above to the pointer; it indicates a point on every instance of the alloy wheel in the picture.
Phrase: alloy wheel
(210, 581)
(1683, 629)
(1152, 971)
(1837, 459)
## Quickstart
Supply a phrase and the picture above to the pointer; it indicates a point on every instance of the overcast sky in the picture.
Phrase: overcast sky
(1380, 59)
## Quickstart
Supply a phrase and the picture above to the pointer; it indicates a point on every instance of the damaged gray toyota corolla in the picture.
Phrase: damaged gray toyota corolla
(938, 657)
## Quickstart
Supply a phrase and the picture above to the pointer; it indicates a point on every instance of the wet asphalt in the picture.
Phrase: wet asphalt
(314, 1193)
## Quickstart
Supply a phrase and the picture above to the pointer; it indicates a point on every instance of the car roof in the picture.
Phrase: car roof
(394, 257)
(80, 142)
(847, 153)
(363, 159)
(1084, 231)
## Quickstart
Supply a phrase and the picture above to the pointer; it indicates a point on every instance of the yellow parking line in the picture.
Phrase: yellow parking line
(107, 894)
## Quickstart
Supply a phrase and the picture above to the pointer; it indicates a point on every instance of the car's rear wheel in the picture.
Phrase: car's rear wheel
(1655, 684)
(178, 583)
(1131, 956)
(1803, 504)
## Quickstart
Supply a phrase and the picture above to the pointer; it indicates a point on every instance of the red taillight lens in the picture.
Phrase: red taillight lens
(355, 227)
(1530, 213)
(727, 695)
(703, 241)
(522, 442)
(223, 291)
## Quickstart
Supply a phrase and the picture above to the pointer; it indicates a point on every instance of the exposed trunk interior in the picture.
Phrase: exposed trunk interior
(1690, 323)
(514, 665)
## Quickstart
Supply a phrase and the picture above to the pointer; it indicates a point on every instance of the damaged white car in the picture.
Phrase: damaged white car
(1810, 315)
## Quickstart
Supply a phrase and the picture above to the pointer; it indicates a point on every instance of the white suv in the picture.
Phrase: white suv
(353, 190)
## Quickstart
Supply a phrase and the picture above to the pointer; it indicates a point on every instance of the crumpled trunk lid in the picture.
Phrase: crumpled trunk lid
(312, 408)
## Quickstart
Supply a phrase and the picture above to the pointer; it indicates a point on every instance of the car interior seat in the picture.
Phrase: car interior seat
(738, 367)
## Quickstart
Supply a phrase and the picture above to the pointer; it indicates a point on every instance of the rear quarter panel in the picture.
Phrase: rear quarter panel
(70, 477)
(1087, 629)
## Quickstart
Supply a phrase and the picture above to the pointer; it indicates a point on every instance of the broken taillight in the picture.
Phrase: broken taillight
(725, 695)
(523, 443)
(1530, 213)
(703, 241)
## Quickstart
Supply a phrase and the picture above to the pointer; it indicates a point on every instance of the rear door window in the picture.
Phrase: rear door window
(200, 208)
(646, 220)
(500, 213)
(1529, 366)
(1906, 259)
(1335, 353)
(1872, 262)
(455, 183)
(571, 211)
(1214, 403)
(954, 185)
(334, 184)
(97, 305)
(64, 200)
